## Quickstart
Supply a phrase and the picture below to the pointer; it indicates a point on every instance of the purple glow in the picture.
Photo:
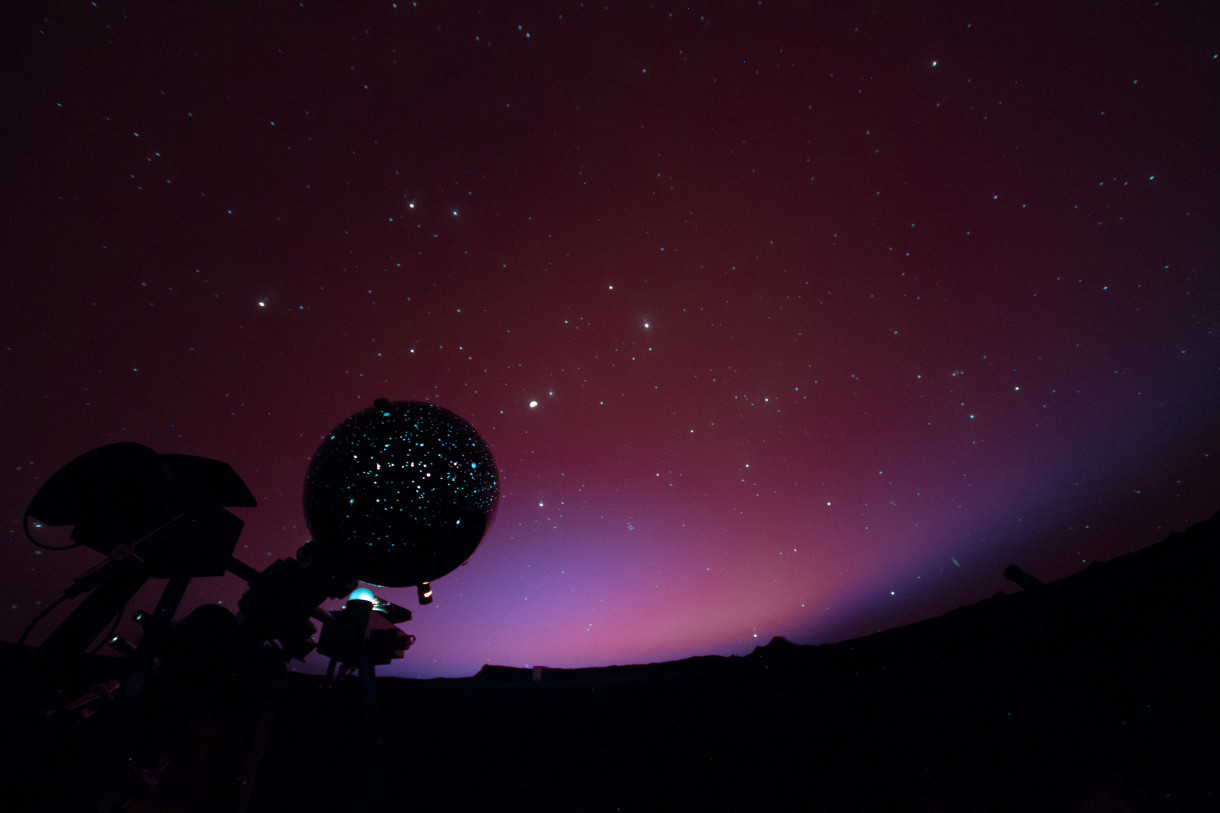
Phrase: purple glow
(776, 322)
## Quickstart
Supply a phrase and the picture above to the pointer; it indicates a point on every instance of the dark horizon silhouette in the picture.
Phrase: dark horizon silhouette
(866, 327)
(1091, 692)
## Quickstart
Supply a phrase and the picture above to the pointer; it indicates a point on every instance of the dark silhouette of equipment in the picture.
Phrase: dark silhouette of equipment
(398, 495)
(151, 515)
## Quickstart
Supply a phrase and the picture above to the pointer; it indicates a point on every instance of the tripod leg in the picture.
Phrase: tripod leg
(78, 630)
(372, 790)
(146, 652)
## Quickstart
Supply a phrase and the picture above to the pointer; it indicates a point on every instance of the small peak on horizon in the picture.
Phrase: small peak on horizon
(778, 644)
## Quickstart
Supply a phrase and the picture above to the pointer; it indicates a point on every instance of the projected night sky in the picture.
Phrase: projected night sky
(776, 321)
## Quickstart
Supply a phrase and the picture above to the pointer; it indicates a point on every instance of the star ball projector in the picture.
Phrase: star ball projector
(402, 492)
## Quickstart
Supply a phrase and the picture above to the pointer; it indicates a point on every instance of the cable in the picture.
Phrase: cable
(25, 526)
(39, 617)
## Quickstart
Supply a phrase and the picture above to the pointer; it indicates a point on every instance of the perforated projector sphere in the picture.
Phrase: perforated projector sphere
(401, 492)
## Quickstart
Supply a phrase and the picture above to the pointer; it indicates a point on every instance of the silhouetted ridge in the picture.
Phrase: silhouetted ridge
(1099, 598)
(1096, 691)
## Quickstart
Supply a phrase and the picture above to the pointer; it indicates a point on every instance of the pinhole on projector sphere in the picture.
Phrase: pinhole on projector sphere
(402, 492)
